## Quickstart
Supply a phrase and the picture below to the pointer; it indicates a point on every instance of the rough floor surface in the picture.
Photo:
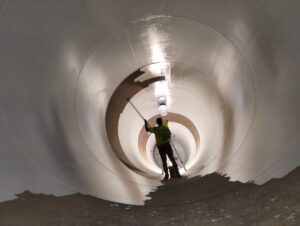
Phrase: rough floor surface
(209, 200)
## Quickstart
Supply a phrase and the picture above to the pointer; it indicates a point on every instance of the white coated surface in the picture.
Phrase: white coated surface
(234, 72)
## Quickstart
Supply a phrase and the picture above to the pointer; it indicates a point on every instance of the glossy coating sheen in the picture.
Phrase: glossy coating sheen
(234, 74)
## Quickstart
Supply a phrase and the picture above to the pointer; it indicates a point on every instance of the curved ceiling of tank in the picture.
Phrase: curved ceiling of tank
(66, 127)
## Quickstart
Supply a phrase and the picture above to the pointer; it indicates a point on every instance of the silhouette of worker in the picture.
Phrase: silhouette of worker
(163, 138)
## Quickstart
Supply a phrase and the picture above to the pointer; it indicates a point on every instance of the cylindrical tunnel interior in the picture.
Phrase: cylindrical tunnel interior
(68, 67)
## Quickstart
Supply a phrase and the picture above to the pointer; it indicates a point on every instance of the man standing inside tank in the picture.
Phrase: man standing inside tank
(163, 139)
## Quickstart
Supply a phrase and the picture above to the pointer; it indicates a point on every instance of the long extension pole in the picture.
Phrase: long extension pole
(137, 111)
(178, 155)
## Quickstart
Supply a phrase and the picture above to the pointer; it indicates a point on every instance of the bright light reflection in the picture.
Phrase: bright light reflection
(162, 97)
(163, 110)
(160, 68)
(161, 88)
(155, 69)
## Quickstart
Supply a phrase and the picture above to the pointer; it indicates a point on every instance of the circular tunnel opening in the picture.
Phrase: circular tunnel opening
(217, 96)
(234, 75)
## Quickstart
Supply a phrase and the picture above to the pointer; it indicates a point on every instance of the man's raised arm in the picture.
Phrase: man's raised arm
(147, 128)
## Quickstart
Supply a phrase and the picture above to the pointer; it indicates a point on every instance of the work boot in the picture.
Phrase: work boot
(165, 178)
(177, 172)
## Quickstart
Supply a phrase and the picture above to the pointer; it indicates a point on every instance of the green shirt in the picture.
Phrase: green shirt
(162, 133)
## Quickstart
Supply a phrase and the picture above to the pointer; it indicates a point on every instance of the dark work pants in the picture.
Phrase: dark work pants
(165, 150)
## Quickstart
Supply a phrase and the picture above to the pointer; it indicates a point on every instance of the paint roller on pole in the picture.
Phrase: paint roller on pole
(137, 111)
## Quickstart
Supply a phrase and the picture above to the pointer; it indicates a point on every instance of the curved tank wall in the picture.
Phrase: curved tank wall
(234, 75)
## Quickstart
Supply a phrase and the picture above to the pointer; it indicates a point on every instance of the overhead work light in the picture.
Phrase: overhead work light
(161, 89)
